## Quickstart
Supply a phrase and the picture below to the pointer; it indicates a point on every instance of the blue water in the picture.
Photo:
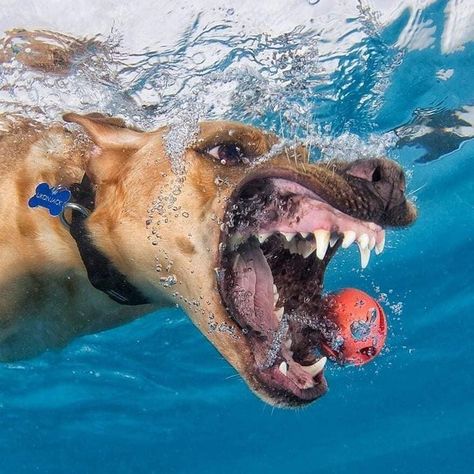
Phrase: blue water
(155, 397)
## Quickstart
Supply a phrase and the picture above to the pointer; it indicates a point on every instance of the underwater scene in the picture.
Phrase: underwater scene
(346, 82)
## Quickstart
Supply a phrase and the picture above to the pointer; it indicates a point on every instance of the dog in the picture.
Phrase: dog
(103, 223)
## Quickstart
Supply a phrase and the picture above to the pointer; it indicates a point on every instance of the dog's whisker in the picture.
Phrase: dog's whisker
(232, 376)
(411, 193)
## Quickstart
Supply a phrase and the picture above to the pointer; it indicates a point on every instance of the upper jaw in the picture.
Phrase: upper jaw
(310, 226)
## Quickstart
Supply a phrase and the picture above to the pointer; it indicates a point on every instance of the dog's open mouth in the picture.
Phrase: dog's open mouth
(278, 240)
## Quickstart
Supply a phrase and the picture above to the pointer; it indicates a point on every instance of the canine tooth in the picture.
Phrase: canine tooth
(275, 289)
(316, 368)
(283, 368)
(380, 245)
(288, 235)
(322, 242)
(332, 241)
(279, 313)
(363, 241)
(263, 236)
(364, 256)
(349, 237)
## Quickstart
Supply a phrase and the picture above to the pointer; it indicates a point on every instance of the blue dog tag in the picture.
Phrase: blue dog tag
(52, 198)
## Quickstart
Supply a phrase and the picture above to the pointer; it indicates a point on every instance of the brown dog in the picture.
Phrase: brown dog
(231, 226)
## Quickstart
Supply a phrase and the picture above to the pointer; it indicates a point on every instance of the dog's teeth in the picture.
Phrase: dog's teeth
(380, 245)
(275, 298)
(288, 235)
(288, 343)
(279, 313)
(332, 241)
(275, 290)
(316, 368)
(283, 368)
(304, 234)
(236, 240)
(371, 242)
(363, 241)
(263, 236)
(322, 242)
(364, 255)
(307, 249)
(293, 246)
(349, 237)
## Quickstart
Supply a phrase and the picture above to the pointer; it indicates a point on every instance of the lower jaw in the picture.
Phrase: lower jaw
(298, 387)
(282, 392)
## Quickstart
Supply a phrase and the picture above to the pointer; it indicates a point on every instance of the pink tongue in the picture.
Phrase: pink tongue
(253, 290)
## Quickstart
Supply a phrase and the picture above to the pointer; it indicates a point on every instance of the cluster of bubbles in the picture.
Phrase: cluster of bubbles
(279, 82)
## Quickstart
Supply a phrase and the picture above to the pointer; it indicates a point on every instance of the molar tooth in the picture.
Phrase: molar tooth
(262, 236)
(380, 245)
(288, 343)
(349, 237)
(283, 368)
(304, 234)
(308, 250)
(236, 240)
(316, 367)
(293, 246)
(322, 242)
(288, 235)
(279, 313)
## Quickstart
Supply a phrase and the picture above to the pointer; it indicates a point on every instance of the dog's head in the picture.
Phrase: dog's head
(234, 229)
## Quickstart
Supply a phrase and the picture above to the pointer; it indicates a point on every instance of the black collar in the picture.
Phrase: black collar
(100, 270)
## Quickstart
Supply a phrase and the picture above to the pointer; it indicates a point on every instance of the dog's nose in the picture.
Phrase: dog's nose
(383, 177)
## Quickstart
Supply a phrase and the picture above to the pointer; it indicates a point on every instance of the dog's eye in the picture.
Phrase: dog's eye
(228, 154)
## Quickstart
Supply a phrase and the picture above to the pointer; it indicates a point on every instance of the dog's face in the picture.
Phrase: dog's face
(236, 229)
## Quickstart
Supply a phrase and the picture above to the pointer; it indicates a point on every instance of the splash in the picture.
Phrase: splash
(280, 82)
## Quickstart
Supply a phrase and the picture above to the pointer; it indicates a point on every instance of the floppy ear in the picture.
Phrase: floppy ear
(115, 140)
(109, 133)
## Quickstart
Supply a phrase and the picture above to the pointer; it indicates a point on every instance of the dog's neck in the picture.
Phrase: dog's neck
(56, 157)
(101, 271)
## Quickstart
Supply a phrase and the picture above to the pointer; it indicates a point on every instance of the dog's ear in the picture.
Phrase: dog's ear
(114, 139)
(109, 133)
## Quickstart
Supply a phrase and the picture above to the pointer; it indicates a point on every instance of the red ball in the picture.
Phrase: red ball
(356, 327)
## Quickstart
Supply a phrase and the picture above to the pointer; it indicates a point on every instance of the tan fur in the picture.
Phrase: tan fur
(152, 224)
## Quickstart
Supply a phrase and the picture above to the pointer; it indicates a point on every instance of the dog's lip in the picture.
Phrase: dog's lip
(276, 381)
(279, 388)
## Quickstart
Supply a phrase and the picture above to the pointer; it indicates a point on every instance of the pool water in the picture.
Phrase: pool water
(351, 79)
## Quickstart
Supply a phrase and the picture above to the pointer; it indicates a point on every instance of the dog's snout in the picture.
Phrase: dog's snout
(378, 171)
(385, 177)
(385, 180)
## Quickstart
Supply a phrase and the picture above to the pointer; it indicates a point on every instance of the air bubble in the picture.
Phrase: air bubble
(168, 281)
